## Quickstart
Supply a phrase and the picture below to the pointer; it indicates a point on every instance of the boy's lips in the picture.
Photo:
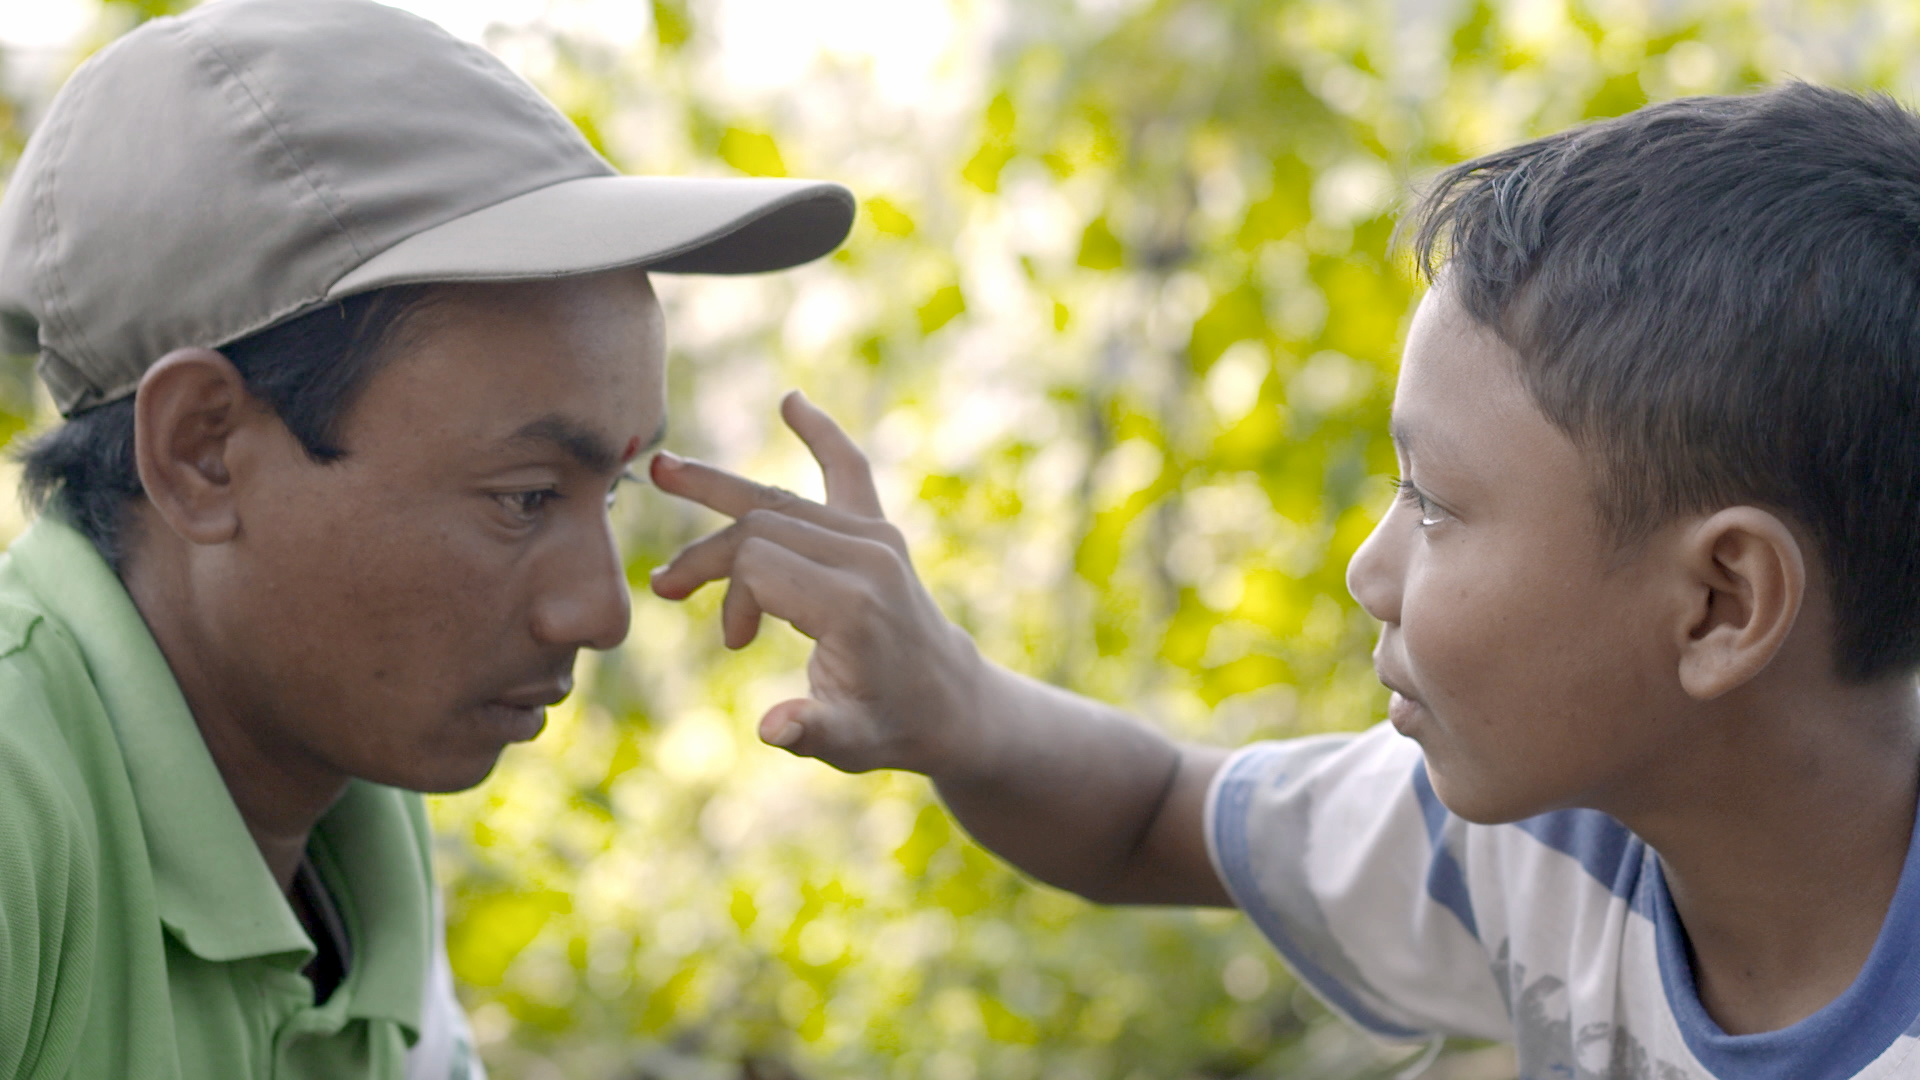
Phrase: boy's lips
(1403, 712)
(1392, 681)
(1403, 708)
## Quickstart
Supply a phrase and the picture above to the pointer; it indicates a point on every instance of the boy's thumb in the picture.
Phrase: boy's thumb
(786, 724)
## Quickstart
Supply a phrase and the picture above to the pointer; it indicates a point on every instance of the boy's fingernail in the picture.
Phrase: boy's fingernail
(669, 459)
(788, 734)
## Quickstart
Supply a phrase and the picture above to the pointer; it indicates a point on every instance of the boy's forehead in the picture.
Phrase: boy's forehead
(1457, 379)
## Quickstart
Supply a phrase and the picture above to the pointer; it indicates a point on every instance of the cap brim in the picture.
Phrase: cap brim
(672, 224)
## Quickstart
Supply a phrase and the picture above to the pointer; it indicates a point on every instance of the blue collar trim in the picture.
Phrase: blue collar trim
(1835, 1043)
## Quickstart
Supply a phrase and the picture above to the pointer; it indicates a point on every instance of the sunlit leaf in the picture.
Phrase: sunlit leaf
(1099, 248)
(945, 305)
(887, 217)
(752, 152)
(672, 25)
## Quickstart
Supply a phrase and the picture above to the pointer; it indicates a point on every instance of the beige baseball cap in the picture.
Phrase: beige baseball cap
(210, 175)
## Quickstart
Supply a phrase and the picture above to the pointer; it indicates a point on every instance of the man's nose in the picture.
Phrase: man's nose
(1376, 573)
(587, 603)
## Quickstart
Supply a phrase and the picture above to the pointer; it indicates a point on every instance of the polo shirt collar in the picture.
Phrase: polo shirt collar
(212, 888)
(374, 862)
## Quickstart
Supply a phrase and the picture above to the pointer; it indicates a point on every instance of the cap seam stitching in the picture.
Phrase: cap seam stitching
(242, 76)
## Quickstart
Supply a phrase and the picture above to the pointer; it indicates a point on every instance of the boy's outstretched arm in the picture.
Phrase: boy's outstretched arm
(1074, 792)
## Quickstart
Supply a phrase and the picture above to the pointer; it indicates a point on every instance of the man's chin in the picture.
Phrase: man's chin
(483, 736)
(438, 774)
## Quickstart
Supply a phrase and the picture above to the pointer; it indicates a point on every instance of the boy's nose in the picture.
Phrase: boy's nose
(1374, 574)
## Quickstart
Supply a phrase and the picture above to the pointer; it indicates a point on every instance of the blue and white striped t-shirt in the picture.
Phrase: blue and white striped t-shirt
(1555, 933)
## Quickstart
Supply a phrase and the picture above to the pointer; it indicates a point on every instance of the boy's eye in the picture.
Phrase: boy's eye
(1417, 499)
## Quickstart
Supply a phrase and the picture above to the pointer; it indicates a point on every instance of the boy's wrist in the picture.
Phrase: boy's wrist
(960, 743)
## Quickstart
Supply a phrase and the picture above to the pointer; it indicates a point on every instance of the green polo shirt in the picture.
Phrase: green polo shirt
(141, 934)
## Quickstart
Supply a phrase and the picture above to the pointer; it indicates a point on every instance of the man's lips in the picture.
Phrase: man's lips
(536, 695)
(521, 713)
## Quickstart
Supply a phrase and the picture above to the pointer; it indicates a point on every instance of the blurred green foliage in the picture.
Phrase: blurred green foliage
(1119, 325)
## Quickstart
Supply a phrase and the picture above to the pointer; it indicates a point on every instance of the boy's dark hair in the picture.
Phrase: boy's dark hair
(310, 370)
(1719, 298)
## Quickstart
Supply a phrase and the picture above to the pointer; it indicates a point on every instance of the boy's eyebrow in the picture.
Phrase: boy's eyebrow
(583, 444)
(1437, 451)
(1398, 431)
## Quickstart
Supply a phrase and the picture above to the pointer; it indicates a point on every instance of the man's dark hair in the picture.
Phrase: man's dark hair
(310, 370)
(1719, 299)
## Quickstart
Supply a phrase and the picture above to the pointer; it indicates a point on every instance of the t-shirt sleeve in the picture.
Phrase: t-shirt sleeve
(1337, 850)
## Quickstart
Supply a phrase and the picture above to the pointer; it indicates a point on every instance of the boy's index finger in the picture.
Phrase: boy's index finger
(848, 475)
(717, 489)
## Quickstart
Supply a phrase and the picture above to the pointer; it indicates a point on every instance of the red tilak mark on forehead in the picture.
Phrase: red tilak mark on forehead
(633, 447)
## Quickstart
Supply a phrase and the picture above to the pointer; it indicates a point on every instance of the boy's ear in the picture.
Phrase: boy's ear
(190, 403)
(1748, 578)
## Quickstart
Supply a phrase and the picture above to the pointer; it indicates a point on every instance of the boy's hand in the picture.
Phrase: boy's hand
(1070, 790)
(891, 681)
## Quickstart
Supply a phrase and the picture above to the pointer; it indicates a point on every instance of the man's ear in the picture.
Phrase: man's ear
(185, 413)
(1748, 579)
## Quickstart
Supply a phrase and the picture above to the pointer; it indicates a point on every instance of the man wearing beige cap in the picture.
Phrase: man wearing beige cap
(353, 337)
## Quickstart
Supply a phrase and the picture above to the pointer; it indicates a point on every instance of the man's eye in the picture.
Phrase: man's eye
(527, 505)
(627, 476)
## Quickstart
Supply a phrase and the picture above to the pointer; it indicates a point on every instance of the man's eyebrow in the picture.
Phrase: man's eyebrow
(583, 444)
(659, 437)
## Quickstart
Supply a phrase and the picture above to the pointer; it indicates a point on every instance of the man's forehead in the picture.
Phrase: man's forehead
(511, 367)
